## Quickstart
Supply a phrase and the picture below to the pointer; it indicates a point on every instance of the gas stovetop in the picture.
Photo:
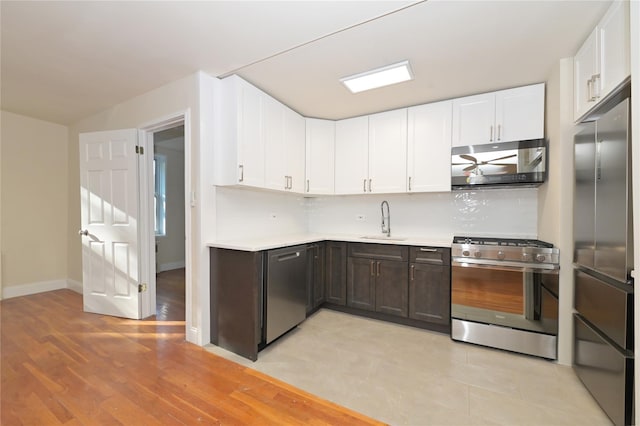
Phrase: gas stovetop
(527, 251)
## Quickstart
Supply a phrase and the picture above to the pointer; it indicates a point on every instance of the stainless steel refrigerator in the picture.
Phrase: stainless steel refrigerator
(603, 260)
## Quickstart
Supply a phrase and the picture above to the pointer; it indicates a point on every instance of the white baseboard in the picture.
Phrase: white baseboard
(170, 266)
(74, 285)
(33, 288)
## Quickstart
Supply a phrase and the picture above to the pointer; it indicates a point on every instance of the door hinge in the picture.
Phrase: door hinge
(139, 150)
(142, 287)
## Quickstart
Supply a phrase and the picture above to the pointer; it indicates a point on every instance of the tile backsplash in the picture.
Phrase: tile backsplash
(246, 213)
(497, 212)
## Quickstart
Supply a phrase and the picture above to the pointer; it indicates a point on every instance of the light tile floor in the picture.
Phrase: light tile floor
(407, 376)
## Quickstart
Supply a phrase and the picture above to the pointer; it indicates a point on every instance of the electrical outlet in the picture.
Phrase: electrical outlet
(360, 217)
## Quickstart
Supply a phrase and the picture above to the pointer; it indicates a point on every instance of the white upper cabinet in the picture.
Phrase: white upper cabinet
(352, 161)
(429, 147)
(320, 156)
(294, 136)
(503, 116)
(274, 145)
(263, 140)
(240, 156)
(388, 152)
(602, 63)
(474, 119)
(520, 113)
(371, 154)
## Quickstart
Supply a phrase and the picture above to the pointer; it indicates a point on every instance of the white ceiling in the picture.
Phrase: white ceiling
(63, 61)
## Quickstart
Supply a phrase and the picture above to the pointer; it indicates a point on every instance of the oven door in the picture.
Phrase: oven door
(514, 298)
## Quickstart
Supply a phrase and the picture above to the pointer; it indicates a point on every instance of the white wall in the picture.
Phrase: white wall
(34, 205)
(504, 212)
(555, 207)
(170, 247)
(245, 213)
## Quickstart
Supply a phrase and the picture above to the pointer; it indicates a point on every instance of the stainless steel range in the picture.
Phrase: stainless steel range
(504, 294)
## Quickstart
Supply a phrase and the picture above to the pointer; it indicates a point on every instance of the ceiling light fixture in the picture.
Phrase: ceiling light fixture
(380, 77)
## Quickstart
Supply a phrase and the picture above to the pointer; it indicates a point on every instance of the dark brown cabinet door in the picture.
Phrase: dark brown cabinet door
(392, 289)
(429, 292)
(336, 272)
(315, 276)
(361, 283)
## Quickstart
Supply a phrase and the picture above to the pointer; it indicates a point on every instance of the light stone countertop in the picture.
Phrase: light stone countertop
(267, 243)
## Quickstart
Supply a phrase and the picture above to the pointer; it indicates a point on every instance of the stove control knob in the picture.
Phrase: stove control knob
(540, 257)
(477, 254)
(501, 255)
(465, 252)
(526, 256)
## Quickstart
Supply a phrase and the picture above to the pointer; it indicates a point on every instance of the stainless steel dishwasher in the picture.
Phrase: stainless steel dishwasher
(286, 291)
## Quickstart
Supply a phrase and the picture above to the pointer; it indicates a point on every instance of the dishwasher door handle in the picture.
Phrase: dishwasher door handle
(288, 256)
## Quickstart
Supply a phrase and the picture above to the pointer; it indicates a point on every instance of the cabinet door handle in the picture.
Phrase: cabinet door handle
(369, 185)
(307, 185)
(499, 131)
(590, 97)
(429, 250)
(409, 183)
(491, 133)
(412, 273)
(241, 167)
(286, 182)
(364, 185)
(290, 182)
(378, 269)
(596, 86)
(371, 265)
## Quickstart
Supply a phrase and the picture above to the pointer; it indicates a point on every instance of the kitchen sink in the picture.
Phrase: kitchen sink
(383, 237)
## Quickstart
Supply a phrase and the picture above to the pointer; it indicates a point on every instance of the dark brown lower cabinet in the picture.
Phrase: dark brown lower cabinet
(336, 272)
(391, 288)
(430, 285)
(315, 276)
(361, 283)
(377, 278)
(429, 293)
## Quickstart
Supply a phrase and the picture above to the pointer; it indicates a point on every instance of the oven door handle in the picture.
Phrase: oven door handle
(504, 265)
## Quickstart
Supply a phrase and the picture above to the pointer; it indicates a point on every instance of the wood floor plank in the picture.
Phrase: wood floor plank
(62, 366)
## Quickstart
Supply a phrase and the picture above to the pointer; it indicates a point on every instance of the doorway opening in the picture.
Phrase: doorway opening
(169, 225)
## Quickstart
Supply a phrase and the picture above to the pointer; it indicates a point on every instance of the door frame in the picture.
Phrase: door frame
(147, 231)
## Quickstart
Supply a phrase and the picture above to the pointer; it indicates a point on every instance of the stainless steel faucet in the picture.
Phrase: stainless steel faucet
(386, 224)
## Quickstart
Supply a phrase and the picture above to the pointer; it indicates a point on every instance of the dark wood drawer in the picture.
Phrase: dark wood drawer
(432, 255)
(379, 251)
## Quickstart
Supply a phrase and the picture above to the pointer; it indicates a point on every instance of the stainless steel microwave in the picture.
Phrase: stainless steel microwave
(519, 163)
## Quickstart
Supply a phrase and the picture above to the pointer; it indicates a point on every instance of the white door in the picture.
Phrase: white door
(109, 222)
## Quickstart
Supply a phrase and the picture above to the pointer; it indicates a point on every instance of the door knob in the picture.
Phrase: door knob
(84, 232)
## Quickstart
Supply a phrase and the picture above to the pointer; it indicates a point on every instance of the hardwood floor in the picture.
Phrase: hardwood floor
(170, 305)
(63, 366)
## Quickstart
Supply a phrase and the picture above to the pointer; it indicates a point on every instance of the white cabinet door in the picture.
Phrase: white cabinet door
(613, 39)
(585, 66)
(388, 152)
(275, 162)
(474, 120)
(250, 136)
(320, 160)
(603, 61)
(520, 113)
(294, 136)
(429, 147)
(351, 167)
